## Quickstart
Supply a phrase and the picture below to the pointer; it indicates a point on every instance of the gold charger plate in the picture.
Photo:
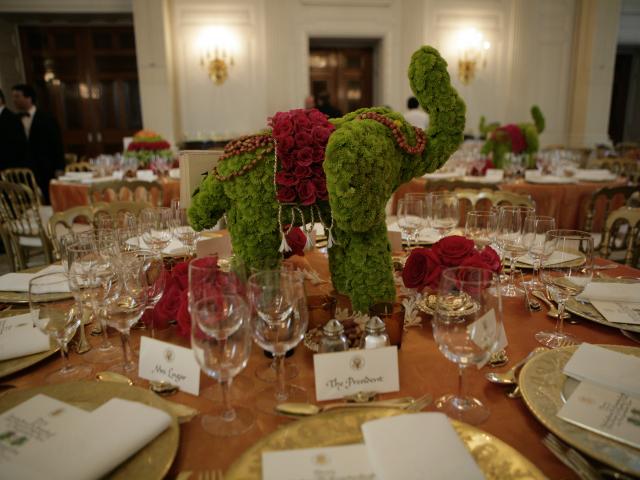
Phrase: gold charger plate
(152, 461)
(13, 365)
(496, 459)
(23, 297)
(571, 263)
(542, 384)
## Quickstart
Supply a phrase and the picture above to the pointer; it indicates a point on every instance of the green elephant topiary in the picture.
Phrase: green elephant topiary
(519, 139)
(340, 172)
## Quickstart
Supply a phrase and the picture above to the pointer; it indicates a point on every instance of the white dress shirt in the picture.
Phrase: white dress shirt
(417, 117)
(27, 120)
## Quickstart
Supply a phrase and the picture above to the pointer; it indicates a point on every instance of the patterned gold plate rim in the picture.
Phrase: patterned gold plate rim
(570, 263)
(151, 462)
(541, 383)
(23, 297)
(496, 459)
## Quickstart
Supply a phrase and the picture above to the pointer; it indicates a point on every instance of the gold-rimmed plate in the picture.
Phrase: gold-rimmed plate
(23, 297)
(496, 459)
(544, 388)
(151, 462)
(568, 264)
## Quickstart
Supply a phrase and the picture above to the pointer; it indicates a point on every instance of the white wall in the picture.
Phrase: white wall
(629, 32)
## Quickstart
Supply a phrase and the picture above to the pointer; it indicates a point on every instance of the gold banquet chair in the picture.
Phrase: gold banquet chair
(112, 212)
(21, 220)
(622, 234)
(23, 176)
(605, 199)
(75, 219)
(126, 190)
(492, 198)
(78, 167)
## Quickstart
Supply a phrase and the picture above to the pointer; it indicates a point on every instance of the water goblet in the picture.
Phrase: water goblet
(183, 231)
(155, 226)
(221, 342)
(565, 278)
(510, 238)
(410, 218)
(58, 320)
(279, 324)
(535, 230)
(155, 277)
(466, 327)
(480, 226)
(443, 212)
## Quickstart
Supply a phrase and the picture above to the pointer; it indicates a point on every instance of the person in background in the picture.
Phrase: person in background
(13, 142)
(323, 103)
(45, 151)
(415, 115)
(309, 101)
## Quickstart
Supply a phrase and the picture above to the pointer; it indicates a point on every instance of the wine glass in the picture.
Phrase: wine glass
(443, 212)
(510, 237)
(535, 230)
(57, 320)
(279, 323)
(155, 277)
(155, 226)
(480, 226)
(125, 304)
(183, 231)
(207, 276)
(566, 277)
(466, 327)
(410, 218)
(221, 343)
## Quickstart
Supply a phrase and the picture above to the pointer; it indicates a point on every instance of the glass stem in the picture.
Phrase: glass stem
(560, 321)
(65, 357)
(461, 390)
(106, 344)
(512, 272)
(536, 271)
(126, 349)
(281, 392)
(228, 413)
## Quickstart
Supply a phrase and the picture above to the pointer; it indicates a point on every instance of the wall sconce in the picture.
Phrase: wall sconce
(472, 48)
(217, 47)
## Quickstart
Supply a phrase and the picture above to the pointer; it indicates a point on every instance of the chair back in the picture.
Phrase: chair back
(111, 210)
(622, 233)
(492, 198)
(126, 190)
(23, 176)
(78, 167)
(624, 167)
(605, 200)
(453, 184)
(74, 219)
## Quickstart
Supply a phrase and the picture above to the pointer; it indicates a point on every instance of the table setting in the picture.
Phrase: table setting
(198, 365)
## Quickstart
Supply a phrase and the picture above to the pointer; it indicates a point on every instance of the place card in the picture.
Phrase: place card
(483, 331)
(618, 312)
(605, 412)
(606, 368)
(348, 462)
(343, 373)
(166, 362)
(19, 337)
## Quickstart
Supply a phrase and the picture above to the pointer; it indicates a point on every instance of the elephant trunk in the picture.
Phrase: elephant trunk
(538, 118)
(432, 87)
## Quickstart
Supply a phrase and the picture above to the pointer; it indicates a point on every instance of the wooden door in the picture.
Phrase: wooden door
(344, 73)
(87, 77)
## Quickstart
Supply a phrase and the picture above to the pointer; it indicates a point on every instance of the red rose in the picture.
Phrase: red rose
(301, 172)
(286, 161)
(229, 282)
(286, 179)
(454, 249)
(167, 308)
(297, 240)
(285, 143)
(491, 258)
(305, 156)
(180, 274)
(307, 192)
(301, 121)
(477, 275)
(318, 154)
(422, 269)
(321, 187)
(183, 317)
(303, 139)
(286, 194)
(317, 171)
(282, 124)
(320, 134)
(316, 116)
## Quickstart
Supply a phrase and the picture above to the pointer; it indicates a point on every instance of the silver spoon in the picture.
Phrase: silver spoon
(509, 377)
(308, 409)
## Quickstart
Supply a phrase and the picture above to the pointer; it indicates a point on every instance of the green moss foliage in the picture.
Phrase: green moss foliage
(364, 165)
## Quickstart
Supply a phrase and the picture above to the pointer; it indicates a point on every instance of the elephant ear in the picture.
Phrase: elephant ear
(432, 87)
(209, 204)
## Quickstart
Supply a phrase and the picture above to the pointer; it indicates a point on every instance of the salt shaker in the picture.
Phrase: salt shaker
(375, 334)
(333, 338)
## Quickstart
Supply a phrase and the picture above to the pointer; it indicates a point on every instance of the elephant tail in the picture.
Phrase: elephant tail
(432, 87)
(538, 118)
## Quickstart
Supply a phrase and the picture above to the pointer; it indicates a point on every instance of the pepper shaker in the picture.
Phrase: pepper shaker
(375, 334)
(333, 338)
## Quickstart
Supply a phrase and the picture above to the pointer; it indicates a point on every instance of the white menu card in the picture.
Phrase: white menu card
(19, 337)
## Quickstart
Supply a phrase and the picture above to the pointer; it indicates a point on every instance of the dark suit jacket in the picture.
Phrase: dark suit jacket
(46, 151)
(13, 141)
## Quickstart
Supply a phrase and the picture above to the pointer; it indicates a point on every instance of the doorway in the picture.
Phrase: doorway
(624, 117)
(88, 78)
(343, 69)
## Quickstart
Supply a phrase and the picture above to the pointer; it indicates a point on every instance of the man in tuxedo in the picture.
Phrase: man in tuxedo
(45, 151)
(13, 142)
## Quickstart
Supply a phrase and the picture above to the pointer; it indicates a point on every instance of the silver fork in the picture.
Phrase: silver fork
(577, 463)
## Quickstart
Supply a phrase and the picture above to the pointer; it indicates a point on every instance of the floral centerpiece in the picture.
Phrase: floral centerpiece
(424, 266)
(521, 138)
(146, 145)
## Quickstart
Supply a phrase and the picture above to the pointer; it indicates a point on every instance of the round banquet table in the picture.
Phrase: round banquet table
(566, 202)
(65, 195)
(423, 369)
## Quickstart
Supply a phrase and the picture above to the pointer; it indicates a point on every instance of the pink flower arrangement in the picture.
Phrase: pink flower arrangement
(425, 265)
(301, 137)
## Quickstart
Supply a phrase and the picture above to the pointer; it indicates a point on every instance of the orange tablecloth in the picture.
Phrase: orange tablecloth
(566, 202)
(422, 369)
(65, 195)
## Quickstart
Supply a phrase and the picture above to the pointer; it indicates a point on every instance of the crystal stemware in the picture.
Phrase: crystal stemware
(155, 277)
(155, 226)
(510, 238)
(566, 277)
(535, 231)
(466, 327)
(480, 226)
(443, 212)
(279, 323)
(183, 231)
(410, 218)
(57, 320)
